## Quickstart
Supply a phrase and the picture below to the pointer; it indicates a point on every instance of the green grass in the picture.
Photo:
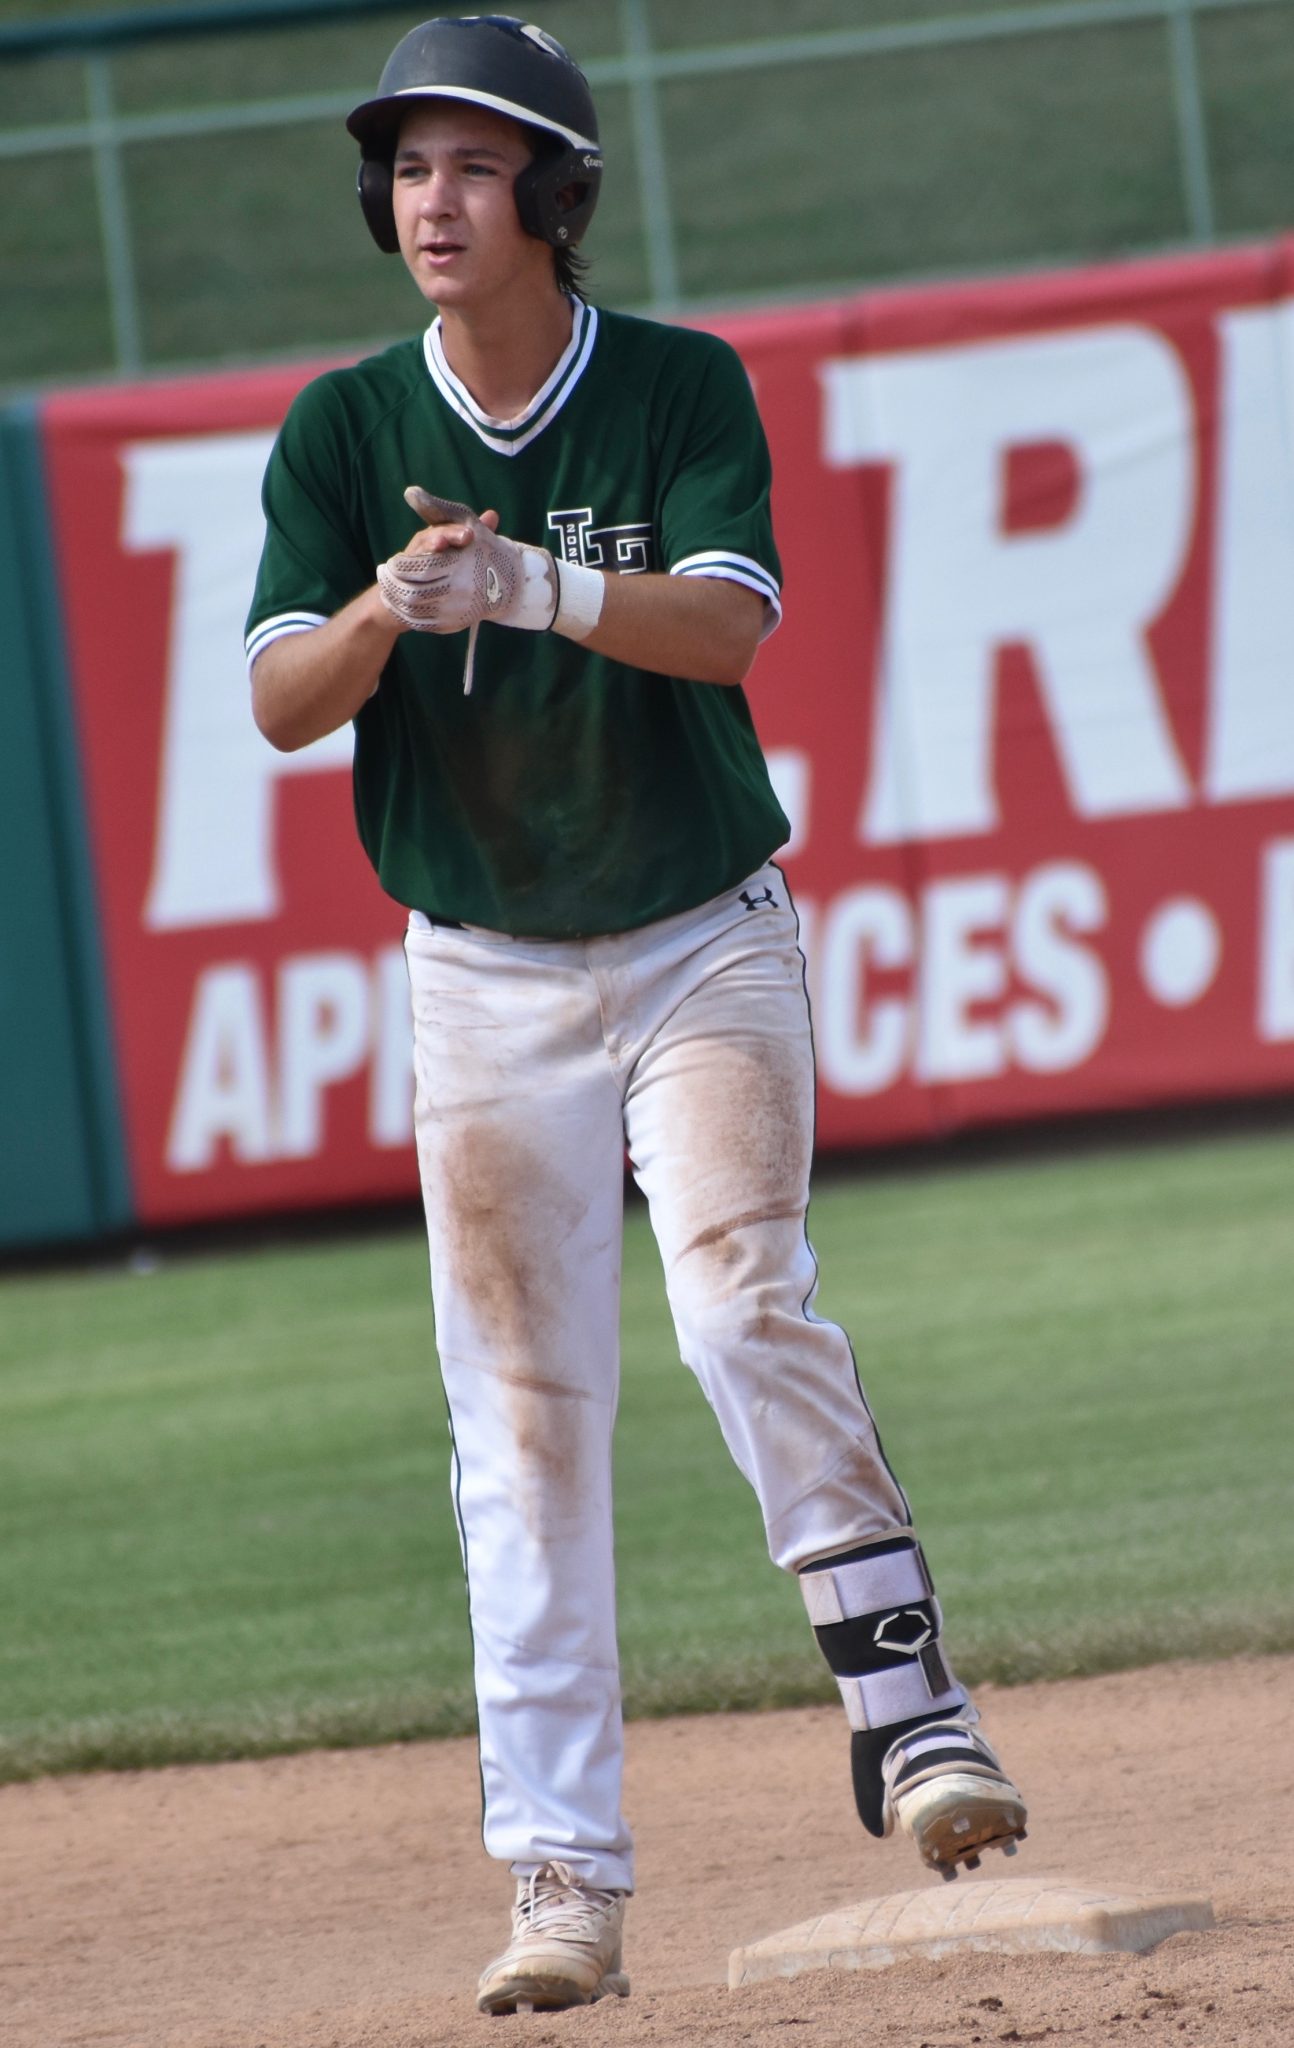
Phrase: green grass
(1040, 147)
(224, 1516)
(1012, 151)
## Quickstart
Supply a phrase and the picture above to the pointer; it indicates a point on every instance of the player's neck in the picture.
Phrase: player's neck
(505, 361)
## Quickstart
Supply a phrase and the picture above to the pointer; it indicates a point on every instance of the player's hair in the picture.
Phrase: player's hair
(571, 269)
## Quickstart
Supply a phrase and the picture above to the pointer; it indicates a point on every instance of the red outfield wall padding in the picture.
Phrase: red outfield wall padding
(1031, 712)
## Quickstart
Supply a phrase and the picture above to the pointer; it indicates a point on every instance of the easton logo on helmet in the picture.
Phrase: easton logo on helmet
(537, 35)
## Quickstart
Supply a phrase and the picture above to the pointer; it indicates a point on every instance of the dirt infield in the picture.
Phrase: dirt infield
(344, 1901)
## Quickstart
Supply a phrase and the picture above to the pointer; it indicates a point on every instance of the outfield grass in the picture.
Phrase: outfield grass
(224, 1520)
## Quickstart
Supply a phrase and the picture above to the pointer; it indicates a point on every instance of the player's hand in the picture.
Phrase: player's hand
(460, 571)
(445, 523)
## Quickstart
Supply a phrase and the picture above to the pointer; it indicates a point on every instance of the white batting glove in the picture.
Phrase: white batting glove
(453, 588)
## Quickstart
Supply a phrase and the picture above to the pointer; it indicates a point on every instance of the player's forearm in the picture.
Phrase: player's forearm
(308, 684)
(701, 628)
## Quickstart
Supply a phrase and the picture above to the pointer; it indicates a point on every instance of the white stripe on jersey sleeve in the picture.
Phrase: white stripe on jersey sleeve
(274, 629)
(733, 568)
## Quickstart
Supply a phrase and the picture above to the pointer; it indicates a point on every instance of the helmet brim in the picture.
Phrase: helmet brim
(374, 122)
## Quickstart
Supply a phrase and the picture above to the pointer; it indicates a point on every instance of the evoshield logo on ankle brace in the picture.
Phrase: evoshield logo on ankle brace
(877, 1623)
(889, 1632)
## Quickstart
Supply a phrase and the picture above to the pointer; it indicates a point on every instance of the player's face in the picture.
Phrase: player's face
(454, 208)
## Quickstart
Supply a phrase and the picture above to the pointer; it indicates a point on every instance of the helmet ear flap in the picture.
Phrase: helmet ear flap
(538, 189)
(374, 185)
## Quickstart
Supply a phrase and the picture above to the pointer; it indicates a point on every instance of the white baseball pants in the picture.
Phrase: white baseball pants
(536, 1061)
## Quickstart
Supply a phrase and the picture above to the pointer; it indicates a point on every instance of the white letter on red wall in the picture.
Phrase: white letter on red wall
(1055, 903)
(390, 1113)
(864, 1040)
(963, 964)
(224, 1091)
(323, 1037)
(1080, 593)
(1276, 943)
(1250, 745)
(199, 498)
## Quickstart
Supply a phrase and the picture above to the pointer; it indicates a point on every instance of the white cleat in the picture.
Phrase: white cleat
(946, 1789)
(565, 1947)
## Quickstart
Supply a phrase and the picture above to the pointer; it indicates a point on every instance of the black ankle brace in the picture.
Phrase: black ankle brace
(878, 1625)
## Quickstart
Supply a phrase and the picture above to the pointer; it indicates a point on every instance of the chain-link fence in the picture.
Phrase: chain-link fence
(174, 182)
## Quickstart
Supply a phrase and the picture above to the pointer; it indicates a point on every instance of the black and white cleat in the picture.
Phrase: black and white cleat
(946, 1789)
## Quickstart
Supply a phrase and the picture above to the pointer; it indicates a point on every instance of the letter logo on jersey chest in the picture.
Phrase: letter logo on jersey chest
(627, 549)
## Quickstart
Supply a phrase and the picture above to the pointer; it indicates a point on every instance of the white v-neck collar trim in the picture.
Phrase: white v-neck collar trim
(509, 437)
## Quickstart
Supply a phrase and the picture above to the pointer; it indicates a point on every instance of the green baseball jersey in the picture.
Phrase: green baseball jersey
(568, 795)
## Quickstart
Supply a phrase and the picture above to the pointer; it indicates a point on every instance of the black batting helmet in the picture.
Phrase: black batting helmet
(513, 68)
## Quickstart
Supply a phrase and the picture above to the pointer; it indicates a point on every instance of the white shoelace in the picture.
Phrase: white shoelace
(555, 1902)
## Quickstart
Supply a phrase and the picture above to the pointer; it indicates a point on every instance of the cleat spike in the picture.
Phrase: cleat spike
(526, 2005)
(1009, 1848)
(947, 1871)
(971, 1862)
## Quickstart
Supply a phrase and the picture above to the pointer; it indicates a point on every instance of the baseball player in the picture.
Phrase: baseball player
(529, 554)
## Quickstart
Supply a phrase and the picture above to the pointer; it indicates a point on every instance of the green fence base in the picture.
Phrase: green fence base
(62, 1161)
